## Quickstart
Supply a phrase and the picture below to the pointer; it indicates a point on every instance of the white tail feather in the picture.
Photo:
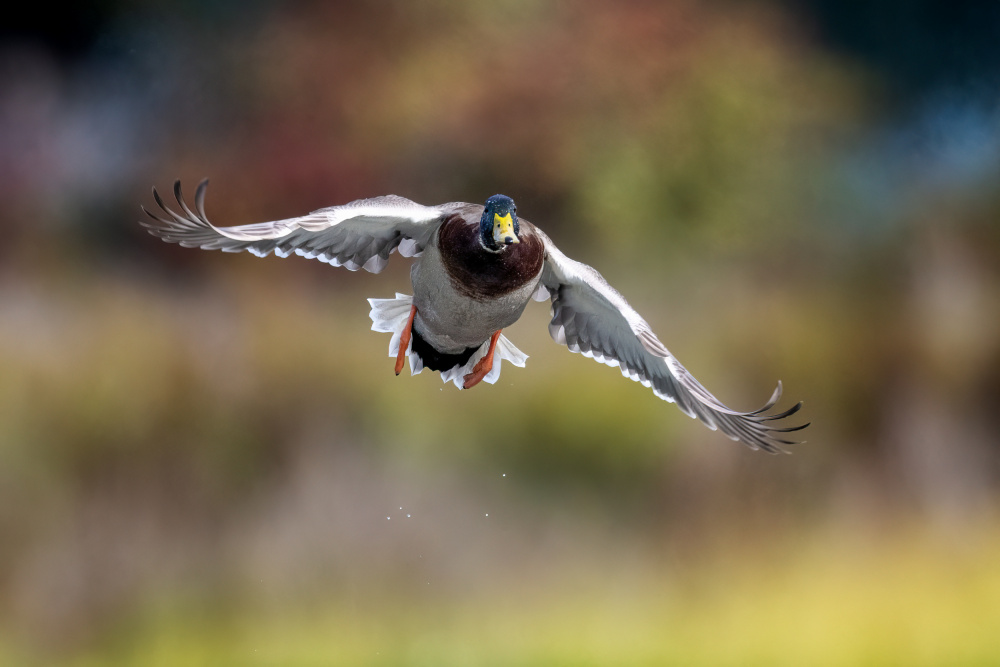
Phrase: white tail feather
(390, 316)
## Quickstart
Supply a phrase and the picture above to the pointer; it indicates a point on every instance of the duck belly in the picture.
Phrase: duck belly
(449, 318)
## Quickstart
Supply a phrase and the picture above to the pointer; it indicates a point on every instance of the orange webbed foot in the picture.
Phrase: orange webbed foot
(483, 366)
(404, 341)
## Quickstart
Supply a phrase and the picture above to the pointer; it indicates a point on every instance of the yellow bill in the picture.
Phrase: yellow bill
(503, 230)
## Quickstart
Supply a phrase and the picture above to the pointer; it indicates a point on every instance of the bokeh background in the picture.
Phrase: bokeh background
(205, 458)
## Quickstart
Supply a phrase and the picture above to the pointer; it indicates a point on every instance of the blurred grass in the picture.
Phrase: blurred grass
(824, 600)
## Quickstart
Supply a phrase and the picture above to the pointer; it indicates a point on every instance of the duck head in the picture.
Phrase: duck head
(498, 227)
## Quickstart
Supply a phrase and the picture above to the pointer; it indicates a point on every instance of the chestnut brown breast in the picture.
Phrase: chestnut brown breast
(481, 274)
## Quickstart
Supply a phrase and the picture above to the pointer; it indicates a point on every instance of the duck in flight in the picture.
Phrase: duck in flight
(477, 268)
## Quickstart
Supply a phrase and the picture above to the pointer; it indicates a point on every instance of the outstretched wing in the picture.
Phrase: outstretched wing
(361, 234)
(592, 318)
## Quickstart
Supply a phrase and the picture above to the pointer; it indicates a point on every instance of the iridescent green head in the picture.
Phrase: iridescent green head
(498, 227)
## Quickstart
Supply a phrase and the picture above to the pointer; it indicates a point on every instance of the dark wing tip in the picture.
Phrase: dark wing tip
(199, 198)
(756, 429)
(789, 429)
(169, 225)
(781, 415)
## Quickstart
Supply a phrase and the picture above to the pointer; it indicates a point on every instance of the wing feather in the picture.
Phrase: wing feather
(361, 234)
(592, 318)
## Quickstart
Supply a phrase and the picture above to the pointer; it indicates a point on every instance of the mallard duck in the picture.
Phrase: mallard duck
(478, 267)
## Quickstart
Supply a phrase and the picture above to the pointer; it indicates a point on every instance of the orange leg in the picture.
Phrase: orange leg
(483, 366)
(404, 341)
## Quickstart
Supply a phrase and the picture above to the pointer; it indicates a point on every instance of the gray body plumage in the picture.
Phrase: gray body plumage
(449, 318)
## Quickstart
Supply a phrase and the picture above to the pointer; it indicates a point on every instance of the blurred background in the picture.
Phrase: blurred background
(205, 458)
